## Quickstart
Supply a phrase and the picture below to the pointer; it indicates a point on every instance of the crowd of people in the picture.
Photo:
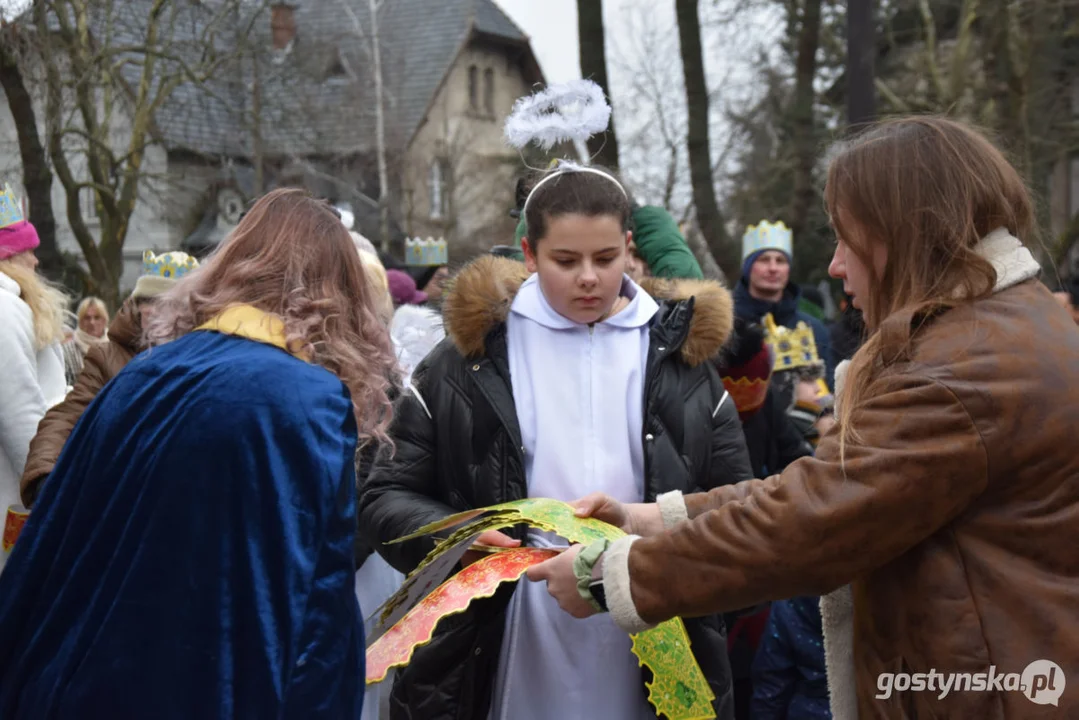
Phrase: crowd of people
(202, 490)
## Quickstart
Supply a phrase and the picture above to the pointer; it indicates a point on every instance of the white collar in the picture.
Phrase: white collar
(9, 284)
(531, 303)
(1013, 262)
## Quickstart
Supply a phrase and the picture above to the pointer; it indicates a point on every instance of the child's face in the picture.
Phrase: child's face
(580, 262)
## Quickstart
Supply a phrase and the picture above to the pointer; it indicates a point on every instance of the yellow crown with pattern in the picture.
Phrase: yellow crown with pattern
(171, 265)
(792, 348)
(10, 208)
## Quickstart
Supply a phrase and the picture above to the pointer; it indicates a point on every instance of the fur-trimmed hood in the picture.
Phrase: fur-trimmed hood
(479, 297)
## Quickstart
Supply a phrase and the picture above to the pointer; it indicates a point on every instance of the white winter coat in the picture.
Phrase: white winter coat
(31, 381)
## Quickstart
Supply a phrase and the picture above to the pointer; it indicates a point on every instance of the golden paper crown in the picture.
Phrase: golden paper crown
(792, 347)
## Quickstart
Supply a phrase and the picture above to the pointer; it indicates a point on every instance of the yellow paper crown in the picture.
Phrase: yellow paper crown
(792, 347)
(10, 208)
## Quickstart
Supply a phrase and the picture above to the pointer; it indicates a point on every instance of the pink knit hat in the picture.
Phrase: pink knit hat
(17, 238)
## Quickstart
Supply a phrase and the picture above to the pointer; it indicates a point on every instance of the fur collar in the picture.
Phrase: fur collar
(478, 299)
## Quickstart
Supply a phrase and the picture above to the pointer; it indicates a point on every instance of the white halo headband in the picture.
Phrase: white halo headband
(574, 111)
(567, 169)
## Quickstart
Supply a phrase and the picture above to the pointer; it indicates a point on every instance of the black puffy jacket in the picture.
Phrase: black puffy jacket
(458, 446)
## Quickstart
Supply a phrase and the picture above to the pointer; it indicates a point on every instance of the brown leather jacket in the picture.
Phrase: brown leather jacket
(956, 520)
(102, 362)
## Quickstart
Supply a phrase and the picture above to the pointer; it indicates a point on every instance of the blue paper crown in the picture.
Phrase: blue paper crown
(426, 253)
(767, 236)
(172, 265)
(10, 209)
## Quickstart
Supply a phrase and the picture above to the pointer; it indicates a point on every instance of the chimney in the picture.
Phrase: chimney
(283, 24)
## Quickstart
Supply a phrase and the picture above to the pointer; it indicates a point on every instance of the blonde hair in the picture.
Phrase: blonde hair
(291, 256)
(927, 189)
(48, 304)
(376, 273)
(89, 302)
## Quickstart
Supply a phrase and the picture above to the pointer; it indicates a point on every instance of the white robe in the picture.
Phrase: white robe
(579, 393)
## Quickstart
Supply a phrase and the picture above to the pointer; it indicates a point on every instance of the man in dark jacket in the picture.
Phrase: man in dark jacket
(766, 287)
(459, 446)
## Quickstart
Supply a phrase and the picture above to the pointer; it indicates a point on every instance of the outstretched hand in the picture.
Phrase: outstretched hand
(604, 507)
(642, 519)
(490, 538)
(562, 583)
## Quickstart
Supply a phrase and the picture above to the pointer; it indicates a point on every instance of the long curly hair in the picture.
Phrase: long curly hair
(292, 256)
(928, 189)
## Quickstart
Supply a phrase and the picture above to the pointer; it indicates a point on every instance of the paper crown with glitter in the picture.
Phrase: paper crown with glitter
(792, 348)
(426, 253)
(10, 208)
(767, 236)
(172, 265)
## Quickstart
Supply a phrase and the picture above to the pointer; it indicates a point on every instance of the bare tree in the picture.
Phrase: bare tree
(373, 48)
(109, 67)
(37, 175)
(861, 54)
(593, 53)
(803, 115)
(654, 157)
(709, 218)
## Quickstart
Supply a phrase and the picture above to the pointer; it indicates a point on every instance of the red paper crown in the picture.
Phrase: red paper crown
(748, 383)
(748, 395)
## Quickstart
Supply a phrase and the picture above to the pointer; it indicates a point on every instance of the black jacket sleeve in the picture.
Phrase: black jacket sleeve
(790, 442)
(399, 494)
(730, 456)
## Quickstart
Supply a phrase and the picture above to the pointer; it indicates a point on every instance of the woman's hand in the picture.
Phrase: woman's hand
(491, 538)
(635, 519)
(562, 583)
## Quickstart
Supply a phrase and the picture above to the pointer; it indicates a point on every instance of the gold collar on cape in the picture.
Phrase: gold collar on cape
(249, 322)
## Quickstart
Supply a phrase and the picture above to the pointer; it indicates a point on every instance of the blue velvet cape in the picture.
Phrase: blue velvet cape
(191, 554)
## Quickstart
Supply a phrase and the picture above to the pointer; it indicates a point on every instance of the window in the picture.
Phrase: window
(437, 189)
(474, 87)
(336, 72)
(489, 91)
(88, 206)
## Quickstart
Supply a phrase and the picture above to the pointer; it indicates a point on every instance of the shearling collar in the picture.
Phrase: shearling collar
(479, 297)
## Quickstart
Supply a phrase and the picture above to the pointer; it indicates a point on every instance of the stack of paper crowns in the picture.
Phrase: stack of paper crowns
(10, 208)
(426, 253)
(767, 236)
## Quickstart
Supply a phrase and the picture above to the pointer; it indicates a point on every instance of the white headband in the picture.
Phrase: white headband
(567, 168)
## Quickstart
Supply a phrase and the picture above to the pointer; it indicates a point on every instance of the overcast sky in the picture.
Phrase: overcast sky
(552, 24)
